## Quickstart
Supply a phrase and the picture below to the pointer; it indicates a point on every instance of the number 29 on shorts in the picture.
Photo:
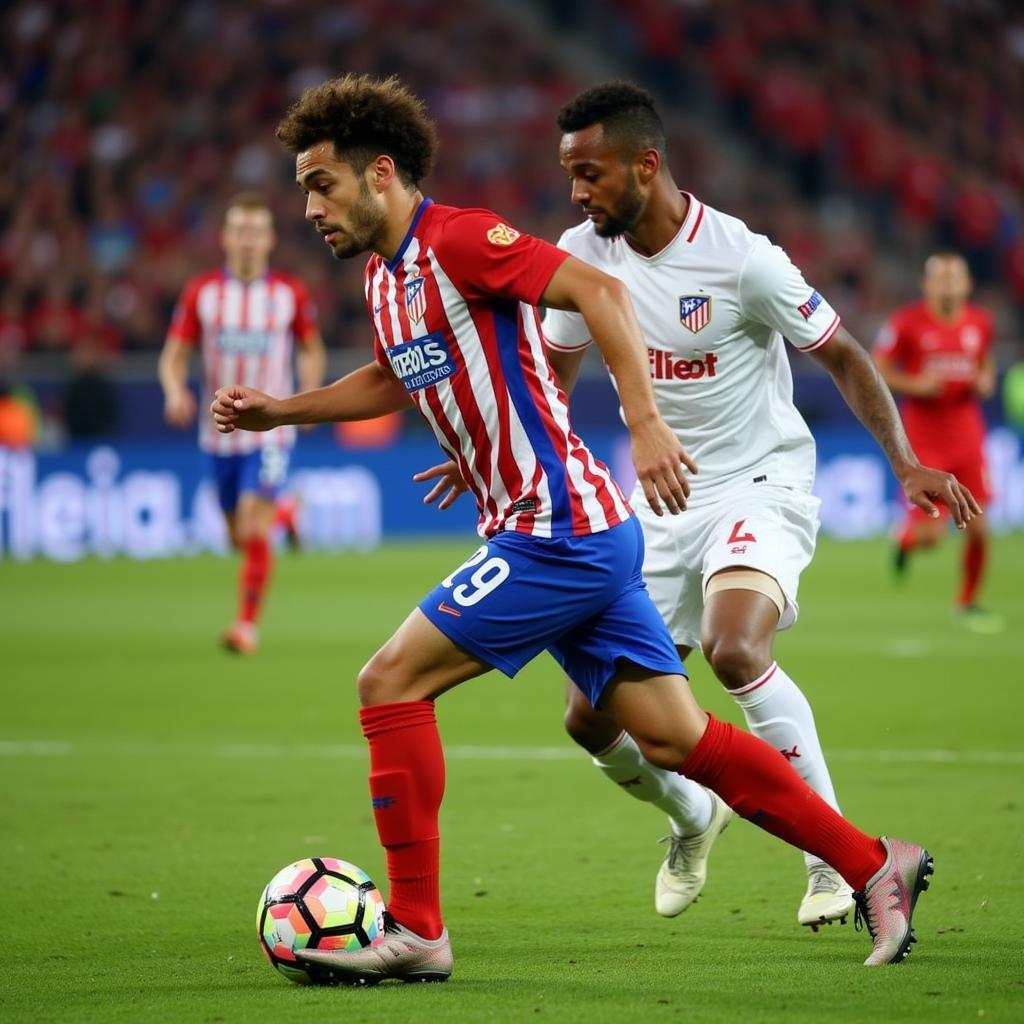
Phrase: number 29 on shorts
(488, 574)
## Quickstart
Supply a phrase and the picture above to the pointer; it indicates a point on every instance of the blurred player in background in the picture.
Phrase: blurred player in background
(249, 321)
(937, 355)
(452, 295)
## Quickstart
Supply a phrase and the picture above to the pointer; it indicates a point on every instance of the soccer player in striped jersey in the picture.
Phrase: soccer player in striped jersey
(452, 296)
(249, 323)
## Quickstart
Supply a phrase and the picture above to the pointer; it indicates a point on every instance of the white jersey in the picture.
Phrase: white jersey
(714, 306)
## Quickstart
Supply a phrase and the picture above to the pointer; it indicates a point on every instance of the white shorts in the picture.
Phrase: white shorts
(770, 529)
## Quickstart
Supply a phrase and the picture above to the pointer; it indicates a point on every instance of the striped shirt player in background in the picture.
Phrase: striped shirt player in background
(936, 355)
(249, 322)
(452, 296)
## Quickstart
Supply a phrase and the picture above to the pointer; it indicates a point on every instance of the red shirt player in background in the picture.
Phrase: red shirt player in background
(937, 354)
(248, 321)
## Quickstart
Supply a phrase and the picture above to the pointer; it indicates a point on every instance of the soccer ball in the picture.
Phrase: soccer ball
(317, 903)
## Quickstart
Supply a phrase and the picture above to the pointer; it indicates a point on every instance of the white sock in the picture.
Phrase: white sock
(777, 711)
(687, 804)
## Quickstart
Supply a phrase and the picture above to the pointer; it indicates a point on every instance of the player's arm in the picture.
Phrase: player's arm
(862, 386)
(179, 402)
(603, 301)
(985, 381)
(917, 385)
(371, 391)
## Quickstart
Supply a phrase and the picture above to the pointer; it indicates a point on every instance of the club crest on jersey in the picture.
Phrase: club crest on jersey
(807, 308)
(415, 299)
(694, 312)
(502, 234)
(421, 362)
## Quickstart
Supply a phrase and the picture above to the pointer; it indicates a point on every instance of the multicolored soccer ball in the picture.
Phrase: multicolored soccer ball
(317, 903)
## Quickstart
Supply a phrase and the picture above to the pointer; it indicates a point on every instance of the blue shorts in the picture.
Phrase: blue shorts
(581, 598)
(261, 472)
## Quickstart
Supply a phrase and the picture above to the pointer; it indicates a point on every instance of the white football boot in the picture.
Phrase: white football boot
(684, 870)
(828, 898)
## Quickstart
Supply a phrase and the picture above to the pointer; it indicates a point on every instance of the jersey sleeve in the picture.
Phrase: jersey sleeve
(304, 323)
(485, 257)
(563, 329)
(185, 323)
(773, 292)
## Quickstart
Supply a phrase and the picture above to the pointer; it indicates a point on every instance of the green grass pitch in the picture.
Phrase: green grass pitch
(151, 785)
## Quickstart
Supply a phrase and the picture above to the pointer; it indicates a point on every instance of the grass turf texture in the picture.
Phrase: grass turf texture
(153, 784)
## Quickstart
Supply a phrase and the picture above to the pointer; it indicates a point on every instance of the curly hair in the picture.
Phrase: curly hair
(625, 111)
(364, 117)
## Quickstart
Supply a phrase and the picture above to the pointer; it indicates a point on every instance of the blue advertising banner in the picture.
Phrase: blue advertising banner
(150, 500)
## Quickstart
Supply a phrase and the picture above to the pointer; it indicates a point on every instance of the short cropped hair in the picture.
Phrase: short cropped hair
(248, 201)
(624, 110)
(364, 117)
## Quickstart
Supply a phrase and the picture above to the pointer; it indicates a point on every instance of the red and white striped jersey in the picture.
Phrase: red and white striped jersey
(247, 332)
(454, 318)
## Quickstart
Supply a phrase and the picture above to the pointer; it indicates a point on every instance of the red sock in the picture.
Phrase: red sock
(756, 781)
(252, 578)
(907, 538)
(406, 787)
(975, 554)
(284, 513)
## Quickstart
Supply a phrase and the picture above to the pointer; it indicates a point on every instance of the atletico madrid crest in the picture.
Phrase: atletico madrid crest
(415, 299)
(694, 312)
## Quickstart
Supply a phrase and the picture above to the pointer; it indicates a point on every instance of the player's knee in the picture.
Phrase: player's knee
(380, 681)
(661, 752)
(592, 730)
(736, 660)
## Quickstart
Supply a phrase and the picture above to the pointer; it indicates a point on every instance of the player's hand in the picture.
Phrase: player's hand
(241, 408)
(448, 478)
(924, 486)
(928, 385)
(659, 459)
(180, 408)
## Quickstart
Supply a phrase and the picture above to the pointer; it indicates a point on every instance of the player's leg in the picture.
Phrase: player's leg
(696, 816)
(397, 689)
(261, 476)
(616, 754)
(500, 608)
(286, 519)
(739, 631)
(227, 475)
(752, 564)
(254, 518)
(762, 786)
(918, 532)
(971, 471)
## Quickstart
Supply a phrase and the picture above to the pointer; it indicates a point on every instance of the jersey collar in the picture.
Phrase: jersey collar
(393, 263)
(687, 231)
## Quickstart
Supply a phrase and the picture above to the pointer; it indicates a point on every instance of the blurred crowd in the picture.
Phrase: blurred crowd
(878, 130)
(882, 130)
(128, 124)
